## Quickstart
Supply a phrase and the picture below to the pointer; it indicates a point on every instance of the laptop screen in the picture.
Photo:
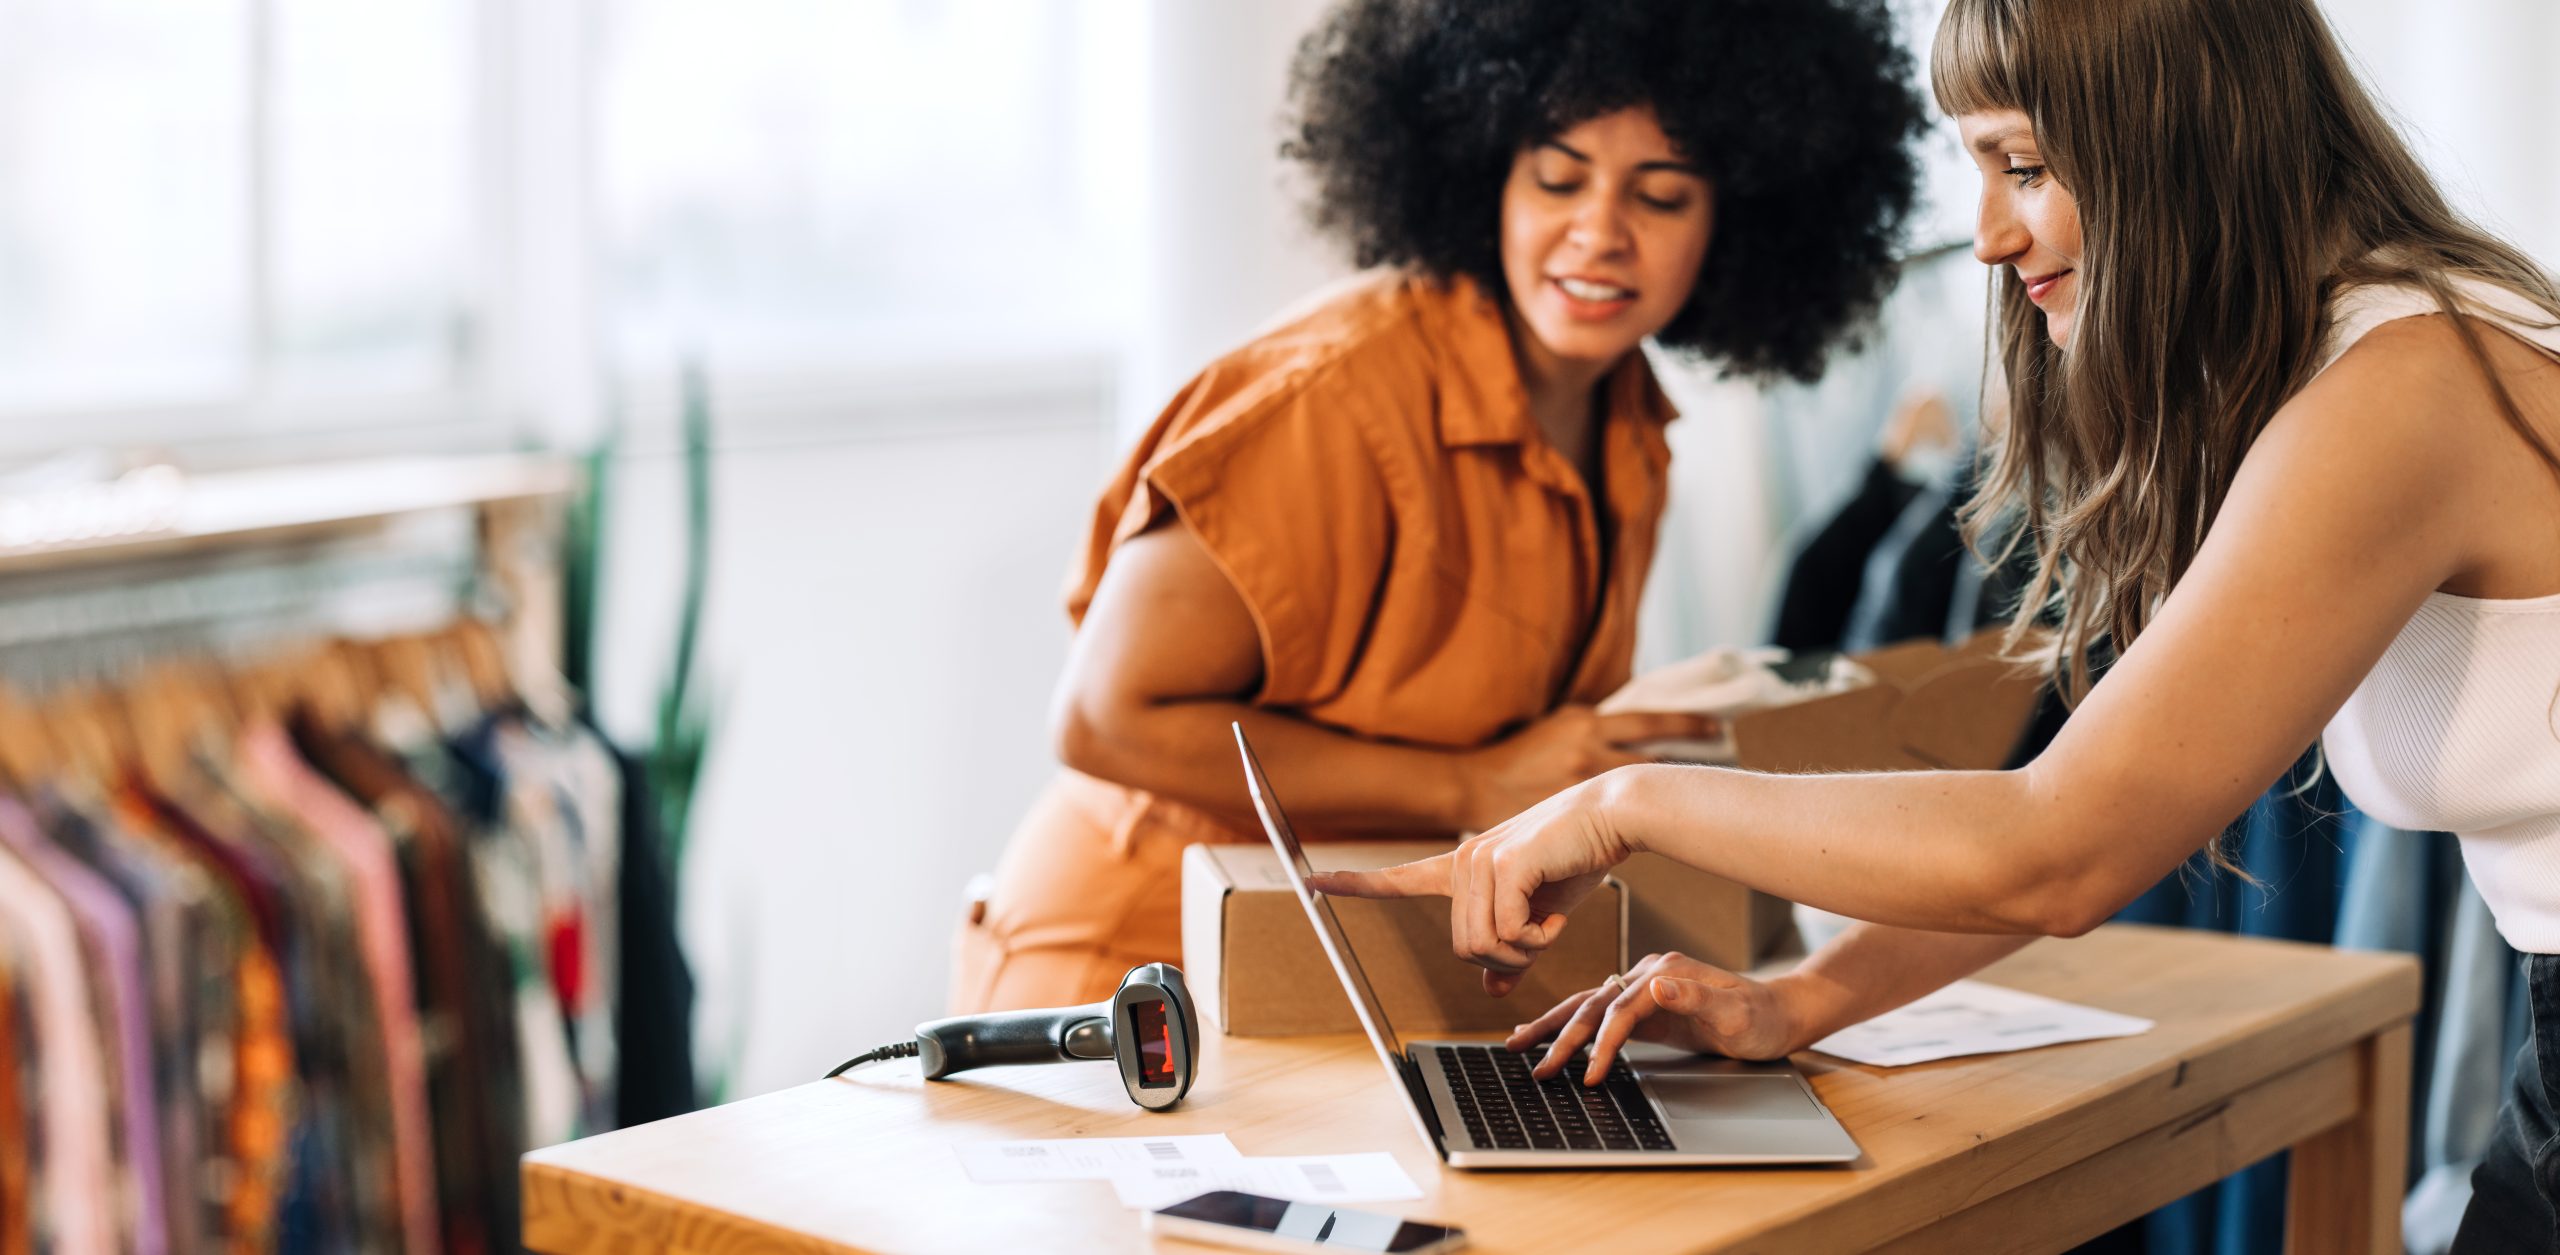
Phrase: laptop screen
(1293, 861)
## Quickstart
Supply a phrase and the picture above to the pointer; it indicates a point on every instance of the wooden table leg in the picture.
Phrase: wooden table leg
(2346, 1183)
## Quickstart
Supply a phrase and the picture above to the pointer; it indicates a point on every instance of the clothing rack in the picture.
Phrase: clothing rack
(165, 560)
(317, 905)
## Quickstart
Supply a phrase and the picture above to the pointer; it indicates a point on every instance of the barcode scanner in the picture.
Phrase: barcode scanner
(1148, 1026)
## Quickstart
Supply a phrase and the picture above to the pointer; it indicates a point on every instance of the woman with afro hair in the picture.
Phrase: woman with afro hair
(1402, 535)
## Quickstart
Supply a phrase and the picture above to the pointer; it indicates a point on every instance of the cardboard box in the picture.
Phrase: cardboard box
(1673, 906)
(1256, 969)
(1931, 707)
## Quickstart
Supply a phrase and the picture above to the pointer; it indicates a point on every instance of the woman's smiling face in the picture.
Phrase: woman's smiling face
(1603, 230)
(2026, 220)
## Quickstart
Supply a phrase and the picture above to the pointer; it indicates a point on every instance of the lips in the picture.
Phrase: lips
(2039, 286)
(1591, 299)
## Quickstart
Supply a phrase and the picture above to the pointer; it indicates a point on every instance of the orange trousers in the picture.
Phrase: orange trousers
(1090, 886)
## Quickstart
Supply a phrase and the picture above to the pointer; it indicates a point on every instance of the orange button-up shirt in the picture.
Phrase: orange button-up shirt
(1421, 565)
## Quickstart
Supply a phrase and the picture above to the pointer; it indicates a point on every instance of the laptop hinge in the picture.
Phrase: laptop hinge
(1422, 1098)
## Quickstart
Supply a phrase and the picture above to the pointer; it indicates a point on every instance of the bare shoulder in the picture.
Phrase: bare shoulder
(2407, 421)
(2392, 410)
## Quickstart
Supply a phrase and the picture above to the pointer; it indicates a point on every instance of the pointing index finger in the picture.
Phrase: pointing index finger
(1426, 878)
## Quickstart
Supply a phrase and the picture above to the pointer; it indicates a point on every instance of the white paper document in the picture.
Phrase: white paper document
(1363, 1178)
(1088, 1158)
(1971, 1018)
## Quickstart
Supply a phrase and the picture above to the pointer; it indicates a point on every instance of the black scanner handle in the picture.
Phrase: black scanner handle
(1052, 1035)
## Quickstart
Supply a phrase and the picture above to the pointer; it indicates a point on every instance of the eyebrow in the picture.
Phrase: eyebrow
(1679, 167)
(1999, 141)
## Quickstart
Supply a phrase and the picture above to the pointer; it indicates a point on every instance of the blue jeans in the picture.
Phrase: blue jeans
(2514, 1190)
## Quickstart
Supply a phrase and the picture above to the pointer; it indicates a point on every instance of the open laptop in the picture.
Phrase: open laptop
(1476, 1103)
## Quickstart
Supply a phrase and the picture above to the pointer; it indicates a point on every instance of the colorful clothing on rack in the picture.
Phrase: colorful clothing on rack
(317, 989)
(114, 943)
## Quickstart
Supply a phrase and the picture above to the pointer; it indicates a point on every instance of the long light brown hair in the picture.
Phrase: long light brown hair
(2232, 176)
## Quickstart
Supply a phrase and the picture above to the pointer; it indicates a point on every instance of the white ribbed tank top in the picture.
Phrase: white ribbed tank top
(2457, 728)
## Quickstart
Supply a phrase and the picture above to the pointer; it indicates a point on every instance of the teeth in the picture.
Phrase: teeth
(1581, 290)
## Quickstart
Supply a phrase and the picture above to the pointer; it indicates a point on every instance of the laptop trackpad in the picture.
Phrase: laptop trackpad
(1730, 1097)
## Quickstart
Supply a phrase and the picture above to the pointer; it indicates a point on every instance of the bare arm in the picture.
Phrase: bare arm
(2336, 528)
(1867, 970)
(1870, 969)
(1168, 655)
(2338, 525)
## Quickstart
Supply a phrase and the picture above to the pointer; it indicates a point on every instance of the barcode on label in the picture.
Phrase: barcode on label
(2024, 1028)
(1321, 1178)
(1164, 1150)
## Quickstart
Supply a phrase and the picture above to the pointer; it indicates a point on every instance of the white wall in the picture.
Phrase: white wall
(884, 630)
(2471, 84)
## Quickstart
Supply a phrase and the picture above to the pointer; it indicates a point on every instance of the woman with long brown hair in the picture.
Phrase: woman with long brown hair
(2285, 437)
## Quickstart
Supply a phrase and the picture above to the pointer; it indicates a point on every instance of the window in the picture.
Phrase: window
(263, 217)
(233, 205)
(800, 186)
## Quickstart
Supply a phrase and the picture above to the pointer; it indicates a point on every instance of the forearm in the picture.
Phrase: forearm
(1183, 750)
(1942, 851)
(1870, 969)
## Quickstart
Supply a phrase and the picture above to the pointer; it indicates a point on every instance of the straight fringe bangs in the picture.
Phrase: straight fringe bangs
(1970, 67)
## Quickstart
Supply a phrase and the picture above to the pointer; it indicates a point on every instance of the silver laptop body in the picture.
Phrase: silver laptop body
(1662, 1109)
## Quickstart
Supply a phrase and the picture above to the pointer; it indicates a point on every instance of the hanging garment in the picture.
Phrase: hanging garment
(260, 1120)
(268, 759)
(17, 1131)
(1823, 580)
(115, 943)
(469, 1024)
(187, 966)
(77, 1214)
(654, 1014)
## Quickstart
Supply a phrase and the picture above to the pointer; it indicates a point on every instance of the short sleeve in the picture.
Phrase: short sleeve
(1285, 493)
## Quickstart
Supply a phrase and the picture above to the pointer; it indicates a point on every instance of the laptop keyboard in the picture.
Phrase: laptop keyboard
(1504, 1107)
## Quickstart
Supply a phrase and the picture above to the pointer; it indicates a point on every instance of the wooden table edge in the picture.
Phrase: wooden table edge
(588, 1212)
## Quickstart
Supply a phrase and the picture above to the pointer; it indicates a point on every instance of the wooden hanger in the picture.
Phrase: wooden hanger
(484, 661)
(92, 735)
(27, 752)
(163, 712)
(407, 667)
(502, 685)
(260, 692)
(325, 687)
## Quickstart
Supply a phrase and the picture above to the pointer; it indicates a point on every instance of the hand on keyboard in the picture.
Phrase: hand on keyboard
(1667, 998)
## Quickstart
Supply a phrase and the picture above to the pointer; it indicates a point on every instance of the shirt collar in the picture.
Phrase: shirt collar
(1483, 402)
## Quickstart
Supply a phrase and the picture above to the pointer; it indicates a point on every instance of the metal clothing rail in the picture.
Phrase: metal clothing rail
(97, 577)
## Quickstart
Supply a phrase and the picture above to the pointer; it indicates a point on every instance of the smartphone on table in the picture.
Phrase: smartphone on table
(1234, 1218)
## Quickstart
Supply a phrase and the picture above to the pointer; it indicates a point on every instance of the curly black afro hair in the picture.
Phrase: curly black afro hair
(1408, 114)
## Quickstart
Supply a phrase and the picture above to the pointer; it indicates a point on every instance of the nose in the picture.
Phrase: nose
(1998, 235)
(1598, 227)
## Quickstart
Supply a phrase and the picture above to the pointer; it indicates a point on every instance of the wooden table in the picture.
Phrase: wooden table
(2261, 1045)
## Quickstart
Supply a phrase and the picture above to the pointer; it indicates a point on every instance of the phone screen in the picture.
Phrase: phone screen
(1313, 1223)
(1155, 1044)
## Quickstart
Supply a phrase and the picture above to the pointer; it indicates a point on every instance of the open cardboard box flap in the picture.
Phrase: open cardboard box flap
(1931, 706)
